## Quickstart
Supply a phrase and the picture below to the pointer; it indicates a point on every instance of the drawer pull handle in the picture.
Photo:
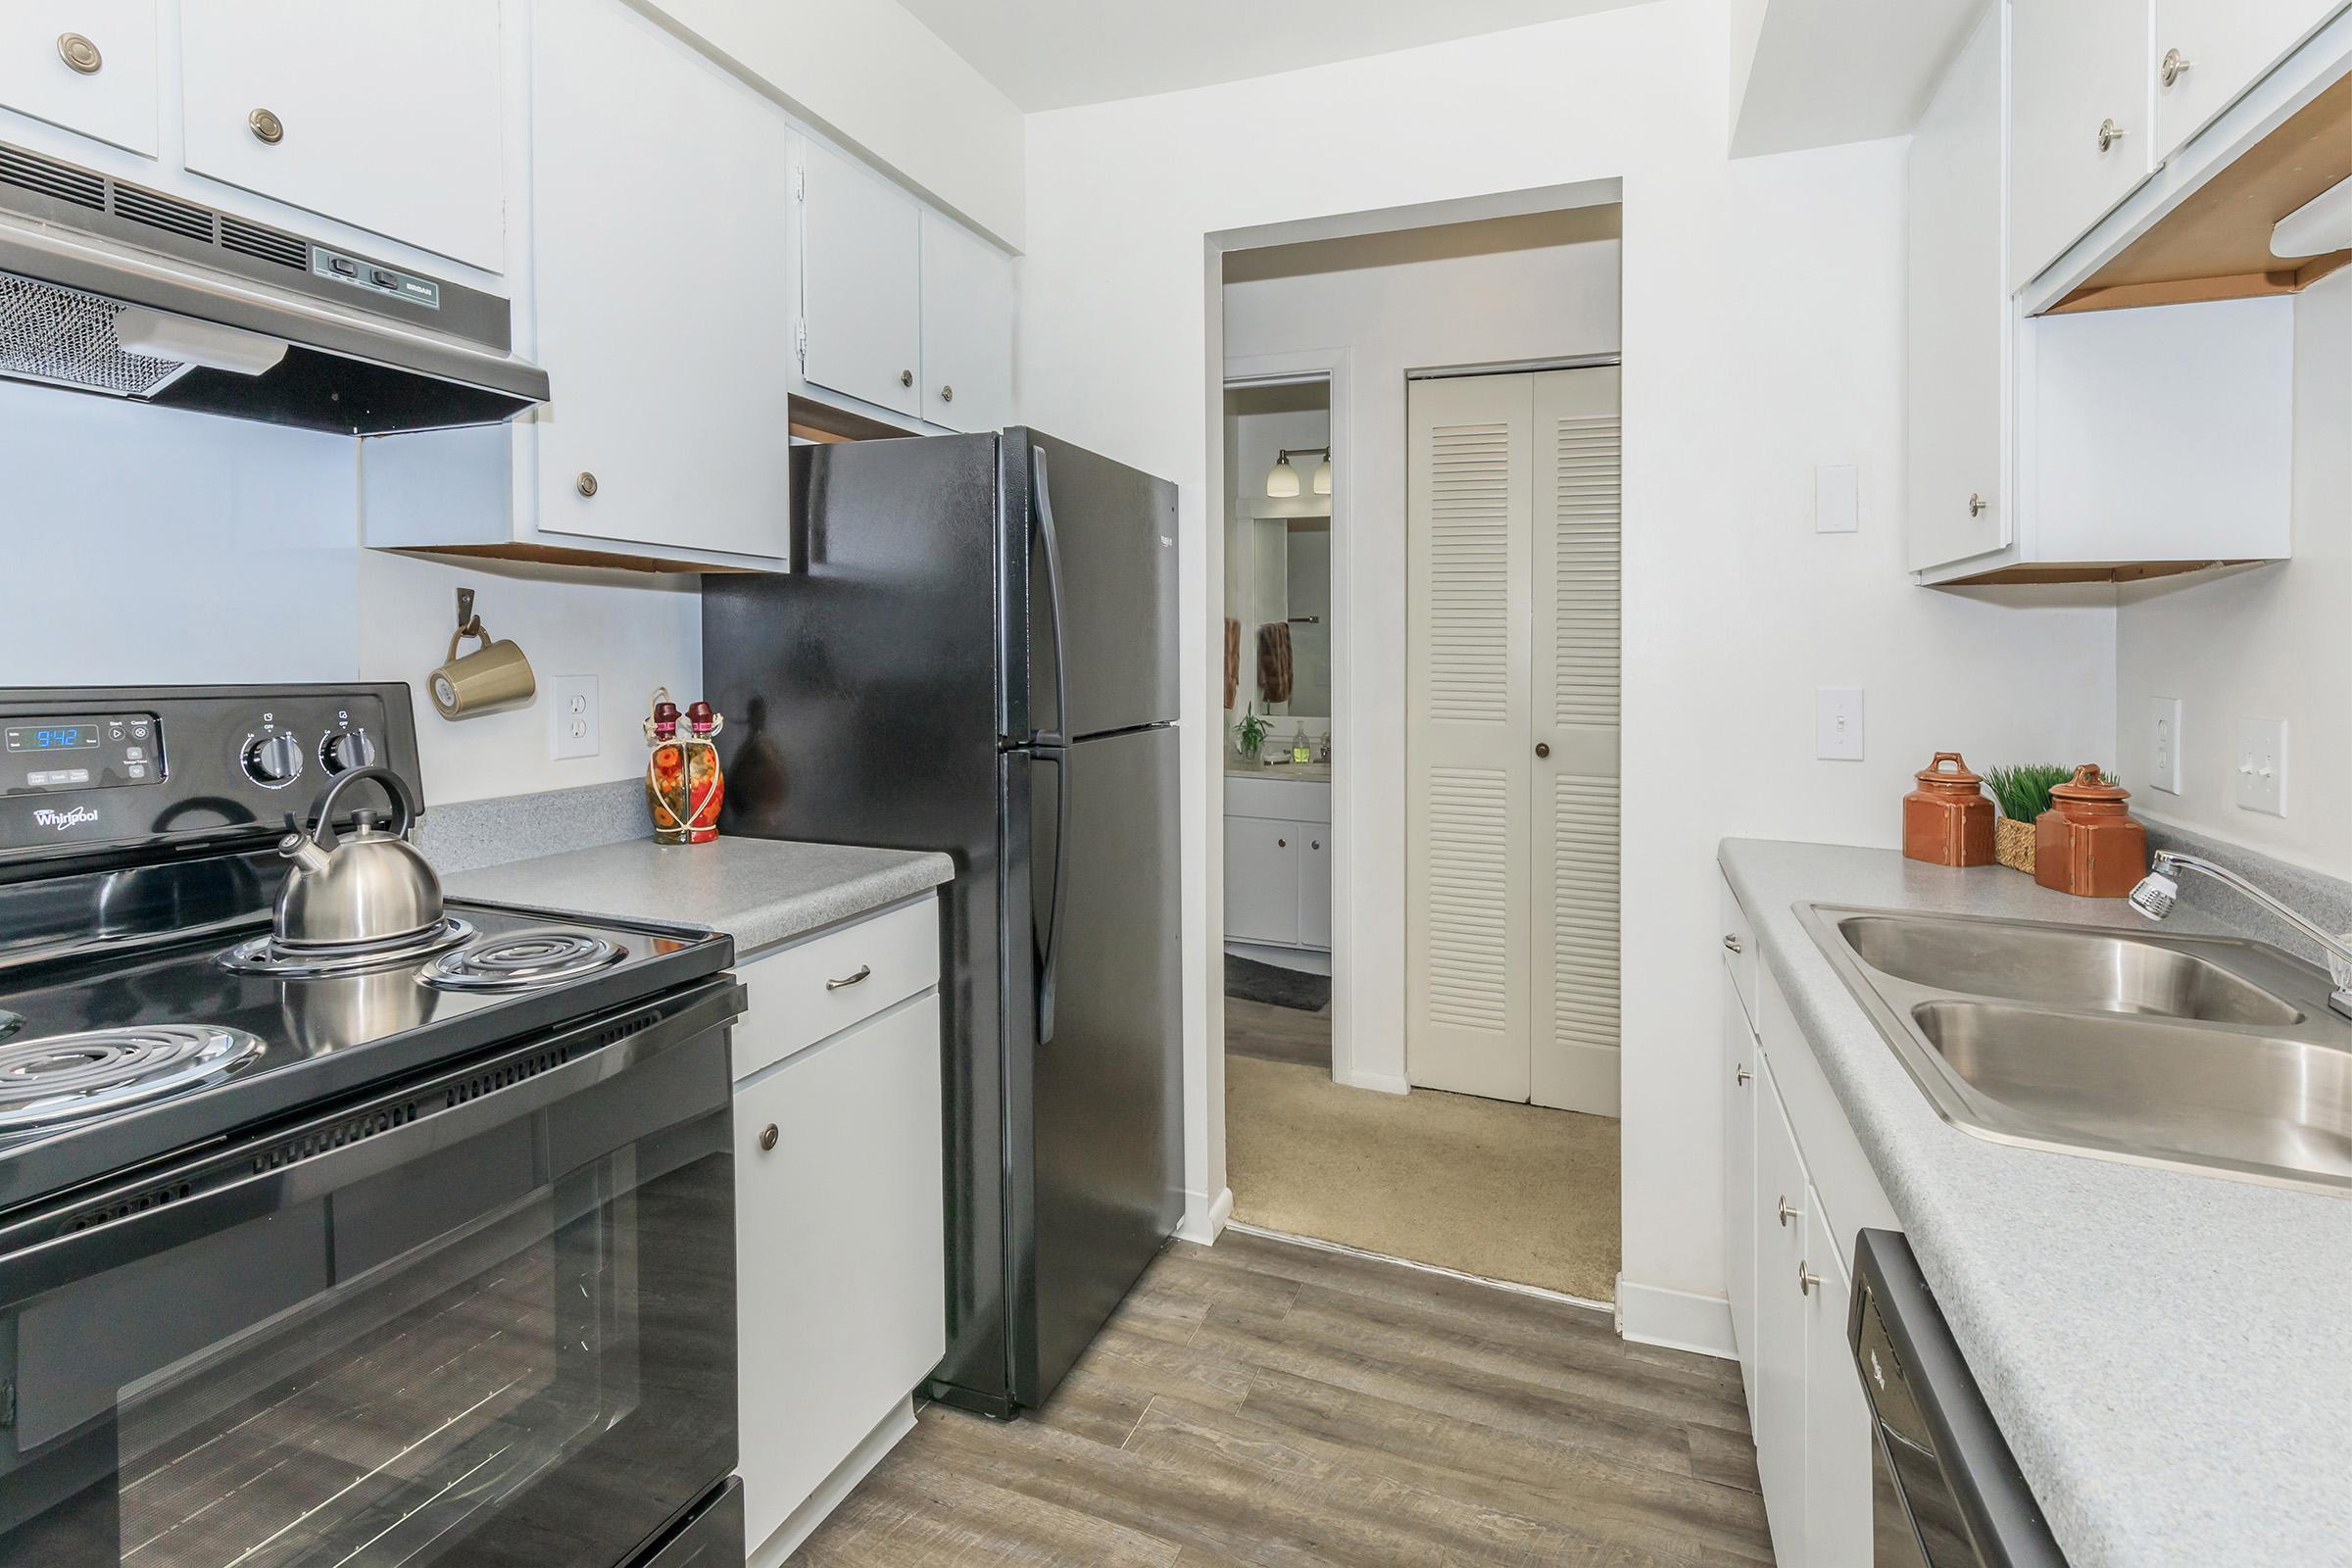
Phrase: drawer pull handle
(865, 971)
(1789, 1211)
(1731, 944)
(1806, 1279)
(768, 1136)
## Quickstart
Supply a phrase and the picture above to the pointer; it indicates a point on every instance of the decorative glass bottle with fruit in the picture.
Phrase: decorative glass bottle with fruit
(683, 782)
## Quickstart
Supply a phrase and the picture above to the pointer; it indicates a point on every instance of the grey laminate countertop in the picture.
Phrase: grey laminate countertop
(759, 891)
(2169, 1355)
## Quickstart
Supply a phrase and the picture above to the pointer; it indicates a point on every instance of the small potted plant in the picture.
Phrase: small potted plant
(1251, 732)
(2023, 794)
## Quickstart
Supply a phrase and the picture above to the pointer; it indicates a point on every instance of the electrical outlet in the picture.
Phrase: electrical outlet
(1838, 723)
(2164, 744)
(578, 716)
(1836, 499)
(2262, 765)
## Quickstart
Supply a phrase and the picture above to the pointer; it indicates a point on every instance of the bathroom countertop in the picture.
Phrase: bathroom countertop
(761, 892)
(2165, 1351)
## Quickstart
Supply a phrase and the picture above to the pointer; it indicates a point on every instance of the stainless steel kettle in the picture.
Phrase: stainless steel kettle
(366, 888)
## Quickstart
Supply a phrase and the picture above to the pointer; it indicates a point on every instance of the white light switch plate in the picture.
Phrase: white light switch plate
(2262, 765)
(1836, 499)
(2164, 744)
(1838, 723)
(576, 715)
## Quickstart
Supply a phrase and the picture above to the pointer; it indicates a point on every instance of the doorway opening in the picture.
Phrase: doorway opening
(1454, 1103)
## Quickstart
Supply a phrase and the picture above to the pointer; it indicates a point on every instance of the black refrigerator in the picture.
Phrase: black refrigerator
(975, 653)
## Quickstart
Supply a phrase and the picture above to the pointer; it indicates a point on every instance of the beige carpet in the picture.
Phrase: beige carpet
(1510, 1192)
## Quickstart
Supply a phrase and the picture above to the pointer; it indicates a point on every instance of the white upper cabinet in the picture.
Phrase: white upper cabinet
(663, 322)
(88, 66)
(968, 328)
(1958, 314)
(384, 118)
(861, 284)
(2081, 96)
(2207, 52)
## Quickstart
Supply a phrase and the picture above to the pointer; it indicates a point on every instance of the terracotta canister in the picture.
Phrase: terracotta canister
(2087, 844)
(1948, 820)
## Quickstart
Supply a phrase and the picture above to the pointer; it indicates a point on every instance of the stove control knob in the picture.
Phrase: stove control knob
(345, 750)
(272, 760)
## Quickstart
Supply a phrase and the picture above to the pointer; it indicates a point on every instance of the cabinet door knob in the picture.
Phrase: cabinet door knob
(768, 1136)
(2109, 135)
(1975, 505)
(266, 127)
(1731, 944)
(78, 53)
(865, 971)
(1806, 1279)
(1543, 748)
(1741, 1074)
(905, 378)
(1789, 1211)
(585, 484)
(947, 394)
(1314, 844)
(1282, 844)
(2176, 65)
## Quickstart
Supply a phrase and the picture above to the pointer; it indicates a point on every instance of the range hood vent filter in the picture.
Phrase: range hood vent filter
(66, 338)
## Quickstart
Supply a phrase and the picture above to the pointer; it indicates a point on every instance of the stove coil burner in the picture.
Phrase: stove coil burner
(522, 961)
(268, 956)
(69, 1077)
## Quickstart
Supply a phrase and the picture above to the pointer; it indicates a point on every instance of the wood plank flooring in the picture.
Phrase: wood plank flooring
(1260, 1402)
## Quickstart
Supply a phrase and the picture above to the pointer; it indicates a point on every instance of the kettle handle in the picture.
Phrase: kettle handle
(395, 786)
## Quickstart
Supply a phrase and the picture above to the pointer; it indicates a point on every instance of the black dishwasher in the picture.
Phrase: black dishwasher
(1946, 1491)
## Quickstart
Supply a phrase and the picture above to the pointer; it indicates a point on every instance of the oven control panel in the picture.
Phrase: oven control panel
(81, 751)
(90, 768)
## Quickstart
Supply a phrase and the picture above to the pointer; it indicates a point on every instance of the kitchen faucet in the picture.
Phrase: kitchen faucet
(2159, 890)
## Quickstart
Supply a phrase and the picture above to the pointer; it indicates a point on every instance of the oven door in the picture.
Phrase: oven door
(488, 1319)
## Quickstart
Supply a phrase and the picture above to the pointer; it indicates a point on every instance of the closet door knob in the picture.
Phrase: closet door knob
(1543, 748)
(265, 126)
(79, 54)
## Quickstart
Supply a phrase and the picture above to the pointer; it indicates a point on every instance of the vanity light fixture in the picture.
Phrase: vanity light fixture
(1283, 482)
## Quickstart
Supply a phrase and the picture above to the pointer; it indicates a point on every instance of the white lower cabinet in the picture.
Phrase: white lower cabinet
(1786, 1253)
(840, 1250)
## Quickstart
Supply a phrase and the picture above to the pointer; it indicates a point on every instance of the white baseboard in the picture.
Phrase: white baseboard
(1203, 1220)
(1386, 1083)
(1677, 1320)
(802, 1521)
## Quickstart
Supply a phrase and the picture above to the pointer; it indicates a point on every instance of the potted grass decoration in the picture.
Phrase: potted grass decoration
(2023, 794)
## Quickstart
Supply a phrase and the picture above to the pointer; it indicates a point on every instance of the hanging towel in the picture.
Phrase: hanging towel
(1232, 661)
(1274, 662)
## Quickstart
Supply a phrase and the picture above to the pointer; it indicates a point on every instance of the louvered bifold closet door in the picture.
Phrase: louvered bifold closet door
(1469, 506)
(1574, 1001)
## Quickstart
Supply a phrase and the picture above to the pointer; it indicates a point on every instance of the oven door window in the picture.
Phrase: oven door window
(454, 1361)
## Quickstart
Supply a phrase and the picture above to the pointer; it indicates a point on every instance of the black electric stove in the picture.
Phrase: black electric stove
(400, 1256)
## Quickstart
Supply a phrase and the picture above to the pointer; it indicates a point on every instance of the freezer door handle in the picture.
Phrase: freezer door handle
(1049, 944)
(1042, 498)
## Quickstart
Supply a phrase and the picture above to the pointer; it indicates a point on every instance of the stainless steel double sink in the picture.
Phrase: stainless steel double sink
(2203, 1053)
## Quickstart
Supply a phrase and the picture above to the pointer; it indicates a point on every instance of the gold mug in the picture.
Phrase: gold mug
(493, 676)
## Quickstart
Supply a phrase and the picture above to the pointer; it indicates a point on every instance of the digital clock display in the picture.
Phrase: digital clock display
(62, 737)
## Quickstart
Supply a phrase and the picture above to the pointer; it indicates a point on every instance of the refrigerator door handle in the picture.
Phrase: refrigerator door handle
(1042, 501)
(1050, 948)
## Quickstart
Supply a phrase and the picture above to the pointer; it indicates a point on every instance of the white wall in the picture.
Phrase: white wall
(1551, 301)
(149, 547)
(1762, 334)
(2263, 642)
(871, 75)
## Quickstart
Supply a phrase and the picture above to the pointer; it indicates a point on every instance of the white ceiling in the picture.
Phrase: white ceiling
(1051, 54)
